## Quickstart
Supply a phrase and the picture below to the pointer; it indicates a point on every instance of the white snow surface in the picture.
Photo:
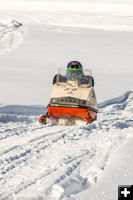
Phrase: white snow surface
(11, 35)
(65, 162)
(26, 73)
(99, 14)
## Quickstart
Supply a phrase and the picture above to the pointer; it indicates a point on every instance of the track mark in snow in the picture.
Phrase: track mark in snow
(27, 149)
(11, 36)
(54, 162)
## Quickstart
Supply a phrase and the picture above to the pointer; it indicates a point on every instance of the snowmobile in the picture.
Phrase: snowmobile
(72, 98)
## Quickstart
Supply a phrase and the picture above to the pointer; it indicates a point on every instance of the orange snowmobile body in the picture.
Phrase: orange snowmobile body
(72, 113)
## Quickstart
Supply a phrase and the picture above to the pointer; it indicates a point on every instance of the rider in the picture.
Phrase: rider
(74, 70)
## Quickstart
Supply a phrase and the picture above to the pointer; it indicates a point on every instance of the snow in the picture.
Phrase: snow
(11, 35)
(105, 14)
(119, 172)
(29, 69)
(65, 162)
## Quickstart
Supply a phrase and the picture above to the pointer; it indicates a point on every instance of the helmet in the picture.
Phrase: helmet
(74, 65)
(74, 70)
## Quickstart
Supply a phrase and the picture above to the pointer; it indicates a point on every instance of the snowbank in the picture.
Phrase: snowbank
(11, 36)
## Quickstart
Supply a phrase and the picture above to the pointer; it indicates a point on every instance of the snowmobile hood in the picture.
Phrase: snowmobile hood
(74, 92)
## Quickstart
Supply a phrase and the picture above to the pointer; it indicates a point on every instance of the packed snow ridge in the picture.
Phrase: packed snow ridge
(57, 162)
(11, 35)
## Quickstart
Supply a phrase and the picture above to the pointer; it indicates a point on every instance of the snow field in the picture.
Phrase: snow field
(57, 162)
(26, 73)
(101, 14)
(65, 162)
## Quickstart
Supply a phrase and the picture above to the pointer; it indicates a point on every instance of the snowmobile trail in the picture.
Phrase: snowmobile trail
(56, 162)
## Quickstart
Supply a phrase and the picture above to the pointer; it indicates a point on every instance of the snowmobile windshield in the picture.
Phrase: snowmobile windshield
(83, 75)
